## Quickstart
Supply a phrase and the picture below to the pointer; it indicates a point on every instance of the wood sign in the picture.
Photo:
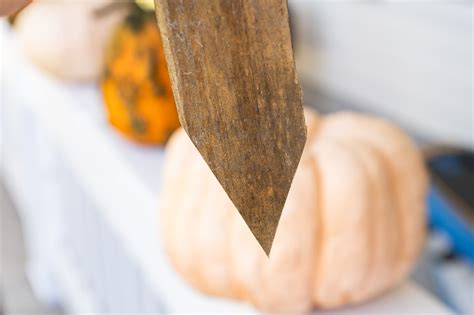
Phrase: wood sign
(233, 73)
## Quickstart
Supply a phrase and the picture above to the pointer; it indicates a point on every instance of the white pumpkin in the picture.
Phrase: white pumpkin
(351, 228)
(68, 38)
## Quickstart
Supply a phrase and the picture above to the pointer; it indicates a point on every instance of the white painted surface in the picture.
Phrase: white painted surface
(408, 60)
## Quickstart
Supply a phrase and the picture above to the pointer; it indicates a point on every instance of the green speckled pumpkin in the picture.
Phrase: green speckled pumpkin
(135, 84)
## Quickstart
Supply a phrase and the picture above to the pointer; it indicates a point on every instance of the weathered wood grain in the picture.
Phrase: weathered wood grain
(232, 68)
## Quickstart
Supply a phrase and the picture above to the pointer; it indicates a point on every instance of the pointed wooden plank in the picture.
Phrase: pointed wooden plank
(232, 68)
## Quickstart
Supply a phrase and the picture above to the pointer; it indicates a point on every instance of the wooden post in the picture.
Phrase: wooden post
(233, 73)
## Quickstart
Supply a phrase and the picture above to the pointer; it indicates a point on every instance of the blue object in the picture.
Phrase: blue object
(443, 217)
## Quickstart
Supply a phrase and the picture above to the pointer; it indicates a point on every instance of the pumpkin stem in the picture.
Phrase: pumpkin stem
(109, 8)
(137, 18)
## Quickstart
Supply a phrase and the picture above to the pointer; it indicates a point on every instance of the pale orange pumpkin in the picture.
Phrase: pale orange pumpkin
(352, 226)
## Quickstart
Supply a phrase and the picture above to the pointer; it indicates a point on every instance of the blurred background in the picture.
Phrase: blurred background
(81, 165)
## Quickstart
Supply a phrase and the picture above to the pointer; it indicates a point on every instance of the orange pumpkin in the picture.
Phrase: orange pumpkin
(136, 87)
(351, 228)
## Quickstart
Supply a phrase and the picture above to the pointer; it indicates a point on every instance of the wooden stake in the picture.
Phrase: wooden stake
(238, 98)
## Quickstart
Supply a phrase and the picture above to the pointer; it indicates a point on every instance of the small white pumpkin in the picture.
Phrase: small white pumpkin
(68, 38)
